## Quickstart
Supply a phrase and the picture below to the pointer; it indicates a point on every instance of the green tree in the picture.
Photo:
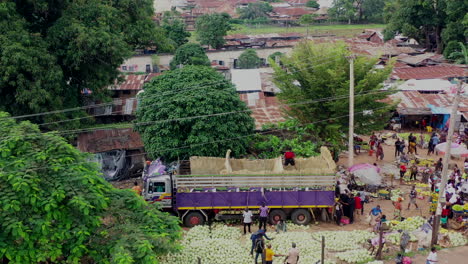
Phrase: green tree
(52, 50)
(358, 10)
(308, 19)
(175, 30)
(343, 10)
(167, 115)
(189, 54)
(457, 52)
(312, 4)
(255, 10)
(433, 23)
(318, 71)
(56, 207)
(211, 29)
(275, 54)
(249, 59)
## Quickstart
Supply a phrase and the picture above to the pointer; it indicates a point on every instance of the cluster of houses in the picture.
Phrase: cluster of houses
(285, 12)
(424, 83)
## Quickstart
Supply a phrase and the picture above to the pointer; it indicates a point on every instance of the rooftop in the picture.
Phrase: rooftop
(109, 139)
(428, 72)
(133, 81)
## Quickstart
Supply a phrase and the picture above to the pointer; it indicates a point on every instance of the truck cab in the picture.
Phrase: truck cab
(158, 189)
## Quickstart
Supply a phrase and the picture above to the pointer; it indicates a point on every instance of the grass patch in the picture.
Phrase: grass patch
(339, 30)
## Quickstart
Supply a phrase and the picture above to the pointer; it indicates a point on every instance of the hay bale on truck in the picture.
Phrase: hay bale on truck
(208, 194)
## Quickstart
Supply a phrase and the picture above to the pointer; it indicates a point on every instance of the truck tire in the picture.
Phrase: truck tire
(276, 215)
(193, 218)
(301, 217)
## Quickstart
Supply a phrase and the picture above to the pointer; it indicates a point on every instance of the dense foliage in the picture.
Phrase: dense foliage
(174, 27)
(255, 10)
(312, 4)
(433, 23)
(56, 208)
(249, 59)
(192, 111)
(457, 52)
(320, 72)
(211, 29)
(52, 50)
(307, 19)
(358, 10)
(286, 135)
(189, 54)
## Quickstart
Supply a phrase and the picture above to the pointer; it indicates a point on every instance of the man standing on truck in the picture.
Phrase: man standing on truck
(263, 216)
(289, 158)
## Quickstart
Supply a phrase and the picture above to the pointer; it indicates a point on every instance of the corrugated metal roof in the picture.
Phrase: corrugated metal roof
(415, 99)
(265, 110)
(429, 72)
(133, 81)
(109, 139)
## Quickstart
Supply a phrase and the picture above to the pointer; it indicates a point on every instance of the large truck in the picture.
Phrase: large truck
(197, 199)
(201, 198)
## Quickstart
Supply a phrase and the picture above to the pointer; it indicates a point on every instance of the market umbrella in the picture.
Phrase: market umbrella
(367, 173)
(456, 150)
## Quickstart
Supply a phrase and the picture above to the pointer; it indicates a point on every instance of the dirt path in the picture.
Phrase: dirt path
(456, 255)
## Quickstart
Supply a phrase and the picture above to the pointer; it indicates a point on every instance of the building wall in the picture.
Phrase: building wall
(139, 63)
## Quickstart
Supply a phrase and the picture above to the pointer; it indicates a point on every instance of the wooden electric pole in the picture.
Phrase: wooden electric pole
(445, 162)
(351, 113)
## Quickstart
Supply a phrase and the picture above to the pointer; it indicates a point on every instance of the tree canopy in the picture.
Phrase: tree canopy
(57, 208)
(211, 29)
(320, 71)
(175, 29)
(249, 59)
(358, 10)
(167, 115)
(52, 50)
(433, 23)
(312, 4)
(189, 54)
(255, 10)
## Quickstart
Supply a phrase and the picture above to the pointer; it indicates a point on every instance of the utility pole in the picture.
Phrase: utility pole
(351, 113)
(445, 162)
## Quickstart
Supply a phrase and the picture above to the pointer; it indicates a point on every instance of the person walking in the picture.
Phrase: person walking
(439, 165)
(374, 214)
(402, 172)
(412, 195)
(338, 212)
(397, 147)
(397, 209)
(255, 236)
(357, 206)
(259, 249)
(414, 171)
(264, 210)
(293, 255)
(247, 214)
(364, 199)
(432, 257)
(136, 188)
(269, 254)
(380, 152)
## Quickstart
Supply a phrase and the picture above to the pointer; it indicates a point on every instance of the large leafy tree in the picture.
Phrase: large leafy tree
(433, 23)
(321, 72)
(192, 111)
(211, 29)
(255, 10)
(189, 54)
(174, 28)
(249, 59)
(358, 10)
(52, 50)
(56, 208)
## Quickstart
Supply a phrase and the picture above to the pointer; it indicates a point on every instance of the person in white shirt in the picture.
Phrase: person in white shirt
(293, 255)
(247, 214)
(432, 258)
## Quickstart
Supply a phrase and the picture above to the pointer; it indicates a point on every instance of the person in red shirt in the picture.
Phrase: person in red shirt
(357, 206)
(402, 172)
(289, 158)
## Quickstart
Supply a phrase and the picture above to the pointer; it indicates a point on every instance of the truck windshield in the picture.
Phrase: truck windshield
(156, 187)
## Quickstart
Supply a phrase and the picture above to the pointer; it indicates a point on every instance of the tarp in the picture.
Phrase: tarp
(114, 165)
(367, 173)
(438, 110)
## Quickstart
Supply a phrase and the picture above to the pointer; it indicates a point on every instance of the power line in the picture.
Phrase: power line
(205, 143)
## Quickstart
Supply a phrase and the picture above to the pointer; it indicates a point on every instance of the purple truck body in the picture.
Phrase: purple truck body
(241, 199)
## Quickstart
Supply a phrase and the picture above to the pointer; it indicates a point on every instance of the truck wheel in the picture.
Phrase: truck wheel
(301, 217)
(193, 218)
(276, 215)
